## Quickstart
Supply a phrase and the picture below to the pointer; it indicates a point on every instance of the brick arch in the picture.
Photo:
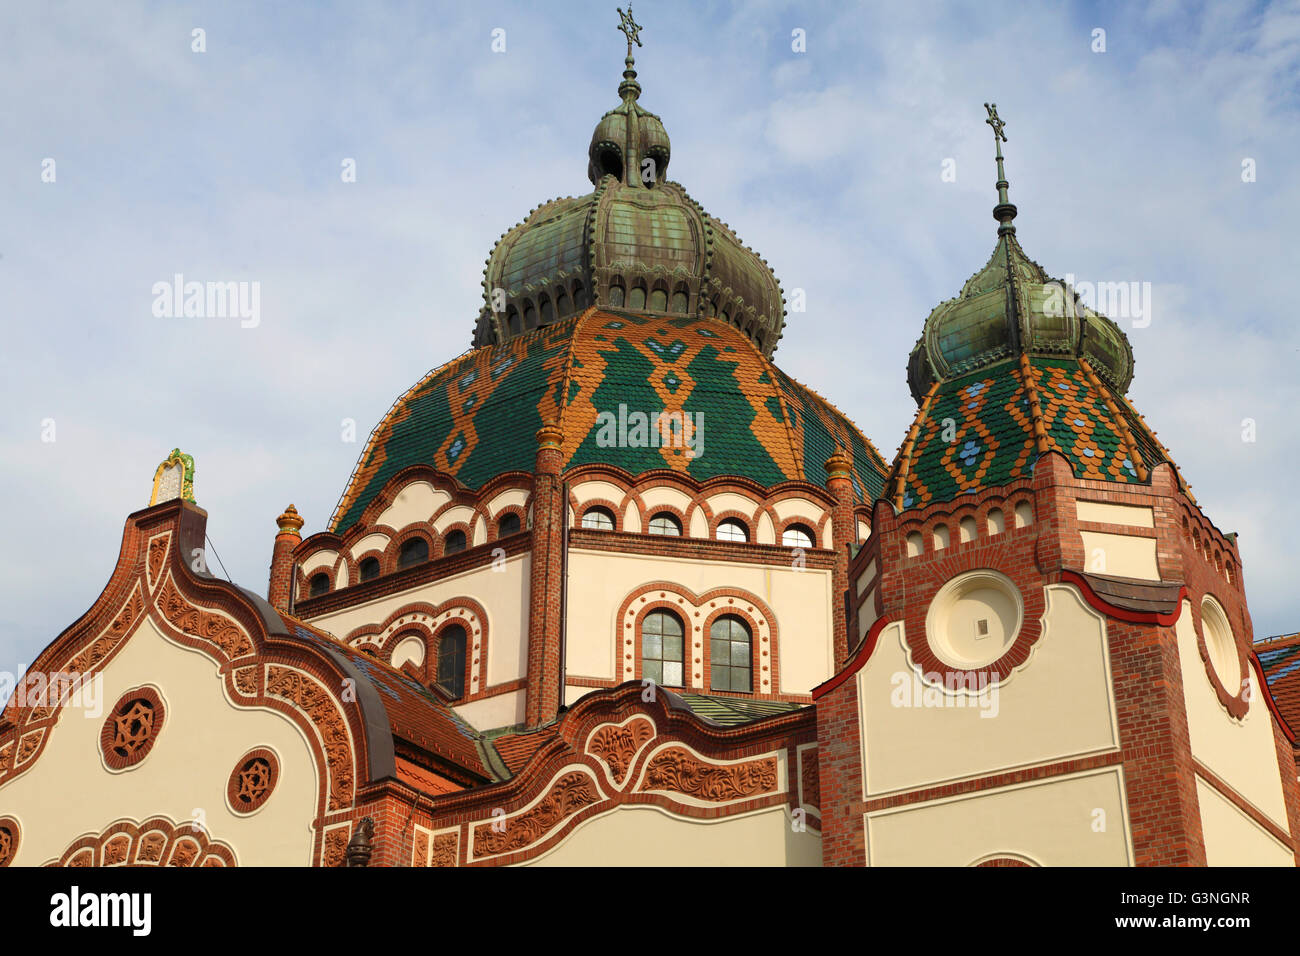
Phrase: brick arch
(473, 617)
(695, 610)
(158, 841)
(494, 522)
(749, 521)
(394, 549)
(1005, 859)
(648, 513)
(762, 660)
(581, 508)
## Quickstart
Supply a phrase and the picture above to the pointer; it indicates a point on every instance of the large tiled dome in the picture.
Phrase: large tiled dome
(476, 417)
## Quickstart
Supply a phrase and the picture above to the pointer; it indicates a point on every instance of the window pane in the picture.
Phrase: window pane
(739, 653)
(653, 670)
(672, 675)
(797, 536)
(671, 624)
(732, 530)
(652, 647)
(672, 647)
(665, 525)
(740, 678)
(721, 653)
(721, 679)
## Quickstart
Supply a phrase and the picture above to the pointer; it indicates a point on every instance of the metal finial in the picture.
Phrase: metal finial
(996, 122)
(1004, 211)
(630, 28)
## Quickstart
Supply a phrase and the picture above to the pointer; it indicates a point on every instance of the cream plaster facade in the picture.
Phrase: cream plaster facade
(183, 777)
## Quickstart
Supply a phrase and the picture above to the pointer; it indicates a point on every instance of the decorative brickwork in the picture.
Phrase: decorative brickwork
(253, 780)
(10, 835)
(158, 841)
(132, 728)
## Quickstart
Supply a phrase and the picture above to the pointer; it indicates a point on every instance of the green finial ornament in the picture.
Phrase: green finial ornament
(1004, 211)
(174, 478)
(629, 88)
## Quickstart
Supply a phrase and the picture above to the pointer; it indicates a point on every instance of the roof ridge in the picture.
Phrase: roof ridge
(562, 403)
(1035, 405)
(871, 446)
(1126, 433)
(904, 460)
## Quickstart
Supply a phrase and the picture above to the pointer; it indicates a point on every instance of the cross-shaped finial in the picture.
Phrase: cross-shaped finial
(995, 121)
(631, 29)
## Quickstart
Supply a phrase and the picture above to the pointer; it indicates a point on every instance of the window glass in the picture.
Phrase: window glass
(662, 648)
(729, 647)
(732, 530)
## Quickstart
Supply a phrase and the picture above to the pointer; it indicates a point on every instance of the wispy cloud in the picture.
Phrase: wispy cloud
(225, 165)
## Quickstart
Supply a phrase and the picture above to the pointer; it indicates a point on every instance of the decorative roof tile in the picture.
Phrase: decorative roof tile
(476, 417)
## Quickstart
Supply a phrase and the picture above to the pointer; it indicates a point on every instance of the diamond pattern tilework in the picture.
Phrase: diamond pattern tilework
(477, 417)
(978, 432)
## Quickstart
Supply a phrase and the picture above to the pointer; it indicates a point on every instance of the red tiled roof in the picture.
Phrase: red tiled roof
(517, 749)
(415, 714)
(424, 780)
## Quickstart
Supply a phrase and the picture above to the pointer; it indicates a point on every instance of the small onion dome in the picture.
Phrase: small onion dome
(1008, 308)
(638, 241)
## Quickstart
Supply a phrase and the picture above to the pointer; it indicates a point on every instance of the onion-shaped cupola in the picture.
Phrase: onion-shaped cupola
(1012, 369)
(637, 242)
(1011, 307)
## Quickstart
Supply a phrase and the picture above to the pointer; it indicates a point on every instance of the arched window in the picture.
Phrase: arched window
(548, 315)
(797, 536)
(616, 296)
(915, 546)
(451, 661)
(1024, 514)
(636, 298)
(941, 538)
(731, 667)
(369, 568)
(679, 302)
(562, 304)
(454, 542)
(662, 647)
(579, 297)
(598, 519)
(530, 316)
(320, 584)
(413, 551)
(732, 530)
(997, 524)
(666, 524)
(659, 300)
(508, 525)
(512, 320)
(966, 529)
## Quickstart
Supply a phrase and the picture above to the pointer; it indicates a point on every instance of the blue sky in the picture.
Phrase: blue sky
(224, 165)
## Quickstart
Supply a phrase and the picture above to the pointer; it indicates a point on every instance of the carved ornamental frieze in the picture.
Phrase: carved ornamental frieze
(158, 841)
(627, 763)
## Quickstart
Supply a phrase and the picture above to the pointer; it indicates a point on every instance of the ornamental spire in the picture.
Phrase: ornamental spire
(1004, 211)
(629, 88)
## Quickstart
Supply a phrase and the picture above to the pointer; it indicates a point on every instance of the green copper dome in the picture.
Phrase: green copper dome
(637, 241)
(1011, 308)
